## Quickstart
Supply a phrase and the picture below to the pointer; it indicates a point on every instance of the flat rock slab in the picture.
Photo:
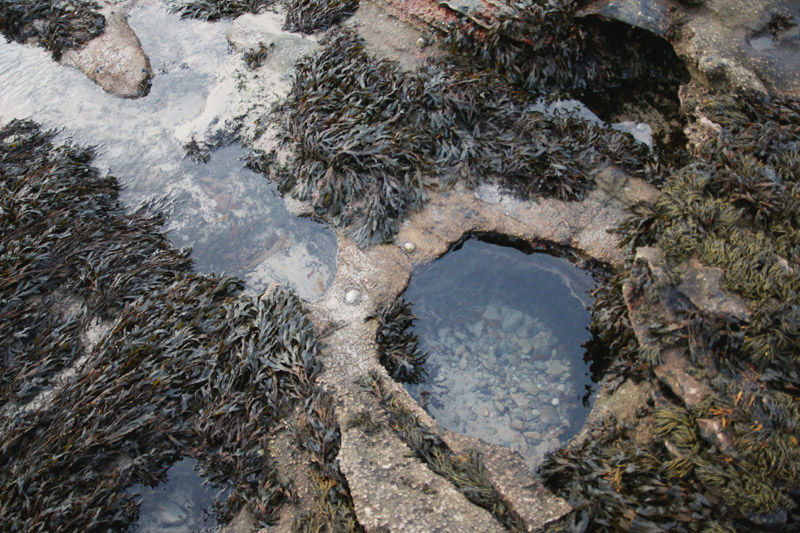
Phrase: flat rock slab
(511, 476)
(393, 491)
(114, 60)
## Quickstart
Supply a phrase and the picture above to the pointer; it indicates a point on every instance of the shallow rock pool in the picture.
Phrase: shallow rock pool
(233, 219)
(504, 331)
(182, 503)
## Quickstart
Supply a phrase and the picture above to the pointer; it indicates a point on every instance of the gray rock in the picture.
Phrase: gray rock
(423, 501)
(114, 60)
(499, 406)
(548, 415)
(517, 425)
(703, 286)
(477, 328)
(492, 314)
(249, 32)
(521, 400)
(512, 321)
(531, 388)
(533, 435)
(556, 368)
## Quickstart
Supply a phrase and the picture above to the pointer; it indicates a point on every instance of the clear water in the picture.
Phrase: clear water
(182, 503)
(231, 217)
(504, 332)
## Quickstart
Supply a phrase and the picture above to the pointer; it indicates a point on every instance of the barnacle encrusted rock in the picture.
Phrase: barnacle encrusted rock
(114, 60)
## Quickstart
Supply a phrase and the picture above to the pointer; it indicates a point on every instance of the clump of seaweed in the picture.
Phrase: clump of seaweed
(368, 139)
(319, 434)
(615, 483)
(309, 16)
(218, 9)
(731, 461)
(465, 470)
(199, 152)
(545, 48)
(56, 25)
(189, 365)
(398, 347)
(254, 58)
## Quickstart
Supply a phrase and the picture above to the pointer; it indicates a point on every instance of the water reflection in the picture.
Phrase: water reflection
(233, 218)
(504, 331)
(182, 503)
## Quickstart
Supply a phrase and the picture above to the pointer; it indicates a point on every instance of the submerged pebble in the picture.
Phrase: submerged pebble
(502, 358)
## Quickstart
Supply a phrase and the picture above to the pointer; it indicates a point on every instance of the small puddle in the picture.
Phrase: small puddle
(233, 218)
(504, 331)
(182, 503)
(764, 42)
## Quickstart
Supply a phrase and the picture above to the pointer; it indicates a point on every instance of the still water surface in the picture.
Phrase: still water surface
(504, 331)
(233, 218)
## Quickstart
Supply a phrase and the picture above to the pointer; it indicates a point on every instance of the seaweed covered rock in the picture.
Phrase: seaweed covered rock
(56, 25)
(624, 71)
(308, 16)
(726, 416)
(367, 139)
(219, 9)
(186, 365)
(398, 347)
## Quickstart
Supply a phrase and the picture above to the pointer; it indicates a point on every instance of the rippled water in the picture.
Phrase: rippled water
(504, 332)
(233, 218)
(180, 504)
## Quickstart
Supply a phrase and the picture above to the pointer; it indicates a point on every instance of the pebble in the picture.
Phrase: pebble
(352, 297)
(521, 401)
(492, 313)
(548, 415)
(531, 388)
(409, 247)
(511, 321)
(556, 368)
(520, 380)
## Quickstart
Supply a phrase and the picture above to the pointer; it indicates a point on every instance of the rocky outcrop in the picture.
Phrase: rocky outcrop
(114, 60)
(728, 45)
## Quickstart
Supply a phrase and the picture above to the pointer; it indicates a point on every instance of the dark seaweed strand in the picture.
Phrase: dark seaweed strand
(398, 347)
(309, 16)
(464, 470)
(56, 25)
(368, 139)
(543, 46)
(320, 435)
(219, 9)
(190, 366)
(732, 463)
(64, 236)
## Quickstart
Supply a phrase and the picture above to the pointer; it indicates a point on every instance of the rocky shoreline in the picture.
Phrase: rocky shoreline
(696, 424)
